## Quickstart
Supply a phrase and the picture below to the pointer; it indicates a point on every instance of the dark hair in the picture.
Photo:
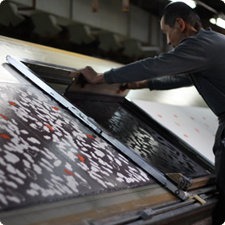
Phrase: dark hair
(180, 10)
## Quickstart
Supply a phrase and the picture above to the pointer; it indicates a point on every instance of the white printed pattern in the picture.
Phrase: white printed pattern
(47, 154)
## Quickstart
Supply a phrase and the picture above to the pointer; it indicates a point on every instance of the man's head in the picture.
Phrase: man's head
(178, 21)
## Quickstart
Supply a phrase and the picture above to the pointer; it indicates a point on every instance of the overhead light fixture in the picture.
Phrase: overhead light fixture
(218, 21)
(191, 3)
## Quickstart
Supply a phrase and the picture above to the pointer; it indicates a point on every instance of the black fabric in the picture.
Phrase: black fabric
(219, 151)
(176, 81)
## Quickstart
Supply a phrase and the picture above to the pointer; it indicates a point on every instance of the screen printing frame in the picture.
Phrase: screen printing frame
(34, 78)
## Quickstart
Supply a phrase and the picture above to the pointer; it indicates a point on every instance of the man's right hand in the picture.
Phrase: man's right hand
(134, 85)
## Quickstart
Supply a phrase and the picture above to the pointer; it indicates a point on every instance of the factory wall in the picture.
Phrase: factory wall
(135, 24)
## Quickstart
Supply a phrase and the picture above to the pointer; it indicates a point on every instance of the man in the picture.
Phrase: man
(197, 59)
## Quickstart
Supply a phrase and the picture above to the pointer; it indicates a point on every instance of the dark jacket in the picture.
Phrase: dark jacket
(198, 60)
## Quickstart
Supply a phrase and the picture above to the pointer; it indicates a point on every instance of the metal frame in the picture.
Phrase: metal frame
(190, 148)
(91, 124)
(43, 63)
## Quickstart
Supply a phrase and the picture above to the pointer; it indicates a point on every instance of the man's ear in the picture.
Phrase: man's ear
(180, 24)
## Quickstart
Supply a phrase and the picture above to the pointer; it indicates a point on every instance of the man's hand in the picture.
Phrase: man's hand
(91, 75)
(134, 85)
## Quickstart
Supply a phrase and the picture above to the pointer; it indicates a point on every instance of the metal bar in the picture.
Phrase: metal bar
(121, 147)
(182, 213)
(95, 5)
(149, 213)
(46, 64)
(126, 5)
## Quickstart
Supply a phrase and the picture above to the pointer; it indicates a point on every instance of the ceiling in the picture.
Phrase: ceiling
(205, 8)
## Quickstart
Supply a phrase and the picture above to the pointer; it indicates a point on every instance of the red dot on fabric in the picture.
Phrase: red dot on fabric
(4, 117)
(55, 108)
(5, 136)
(90, 136)
(68, 172)
(49, 127)
(11, 103)
(81, 158)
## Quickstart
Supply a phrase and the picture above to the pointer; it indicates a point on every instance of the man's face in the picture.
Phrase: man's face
(174, 35)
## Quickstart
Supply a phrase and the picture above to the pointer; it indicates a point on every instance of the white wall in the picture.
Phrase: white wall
(134, 24)
(109, 17)
(154, 30)
(57, 7)
(139, 24)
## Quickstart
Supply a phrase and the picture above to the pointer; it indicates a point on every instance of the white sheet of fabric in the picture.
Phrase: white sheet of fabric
(195, 125)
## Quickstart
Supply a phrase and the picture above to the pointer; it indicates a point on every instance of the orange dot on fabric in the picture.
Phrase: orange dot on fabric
(81, 158)
(90, 136)
(192, 118)
(11, 103)
(185, 135)
(177, 124)
(5, 136)
(4, 117)
(197, 130)
(159, 116)
(68, 172)
(55, 108)
(175, 116)
(49, 127)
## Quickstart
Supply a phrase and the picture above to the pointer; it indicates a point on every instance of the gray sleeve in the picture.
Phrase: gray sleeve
(170, 82)
(187, 57)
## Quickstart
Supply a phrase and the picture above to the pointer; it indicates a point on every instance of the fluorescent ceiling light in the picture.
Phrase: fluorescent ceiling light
(191, 3)
(219, 22)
